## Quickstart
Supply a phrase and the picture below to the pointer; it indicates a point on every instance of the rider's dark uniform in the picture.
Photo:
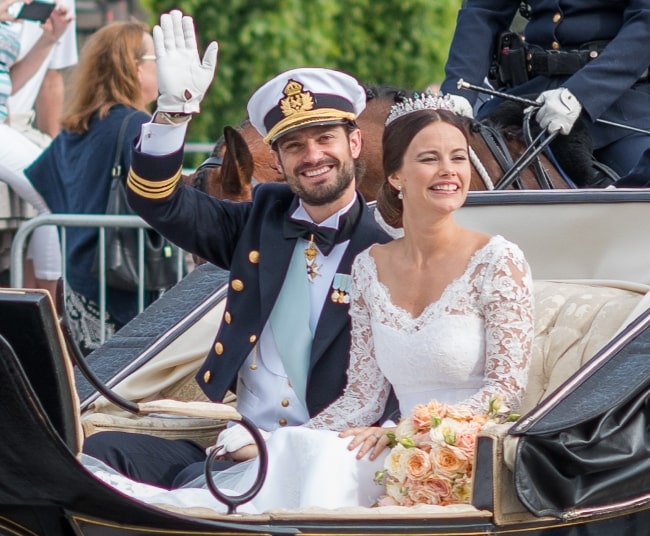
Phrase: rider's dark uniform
(597, 48)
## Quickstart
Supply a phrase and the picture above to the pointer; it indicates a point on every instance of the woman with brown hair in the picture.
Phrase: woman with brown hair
(113, 83)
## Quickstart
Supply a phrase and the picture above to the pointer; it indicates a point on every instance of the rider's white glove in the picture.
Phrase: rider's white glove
(235, 437)
(559, 110)
(183, 78)
(461, 105)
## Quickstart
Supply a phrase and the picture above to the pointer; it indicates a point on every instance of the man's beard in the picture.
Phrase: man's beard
(319, 195)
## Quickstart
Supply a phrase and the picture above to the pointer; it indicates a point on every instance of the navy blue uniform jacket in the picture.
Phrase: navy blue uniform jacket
(246, 239)
(607, 87)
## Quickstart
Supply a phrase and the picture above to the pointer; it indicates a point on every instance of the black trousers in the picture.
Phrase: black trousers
(167, 463)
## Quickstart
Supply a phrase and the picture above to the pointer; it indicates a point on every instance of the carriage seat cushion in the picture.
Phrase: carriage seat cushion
(572, 322)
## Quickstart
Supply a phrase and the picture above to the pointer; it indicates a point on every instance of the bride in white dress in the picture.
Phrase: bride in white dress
(442, 313)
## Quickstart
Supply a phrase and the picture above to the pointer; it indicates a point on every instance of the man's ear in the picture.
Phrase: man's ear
(276, 161)
(355, 143)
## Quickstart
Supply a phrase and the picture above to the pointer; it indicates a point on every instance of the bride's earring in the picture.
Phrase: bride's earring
(400, 194)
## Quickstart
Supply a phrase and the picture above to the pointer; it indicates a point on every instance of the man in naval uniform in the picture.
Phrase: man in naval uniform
(586, 58)
(283, 344)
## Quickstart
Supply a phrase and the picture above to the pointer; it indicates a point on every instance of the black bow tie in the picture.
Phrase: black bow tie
(324, 237)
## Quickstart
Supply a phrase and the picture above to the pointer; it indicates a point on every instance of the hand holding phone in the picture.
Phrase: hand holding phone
(37, 10)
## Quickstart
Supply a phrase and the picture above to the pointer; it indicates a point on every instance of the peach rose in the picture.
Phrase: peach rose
(421, 417)
(449, 461)
(417, 464)
(466, 438)
(434, 490)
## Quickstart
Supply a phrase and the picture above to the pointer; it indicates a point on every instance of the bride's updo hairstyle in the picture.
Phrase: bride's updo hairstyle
(398, 134)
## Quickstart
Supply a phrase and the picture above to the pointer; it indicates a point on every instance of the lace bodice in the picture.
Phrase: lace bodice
(468, 346)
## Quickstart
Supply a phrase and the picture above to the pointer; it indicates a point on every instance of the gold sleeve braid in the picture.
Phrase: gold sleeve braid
(152, 189)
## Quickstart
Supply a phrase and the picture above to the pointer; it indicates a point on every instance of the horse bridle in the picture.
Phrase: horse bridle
(531, 155)
(495, 142)
(215, 162)
(534, 148)
(211, 162)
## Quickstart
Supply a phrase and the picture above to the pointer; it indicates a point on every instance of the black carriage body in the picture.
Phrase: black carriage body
(44, 490)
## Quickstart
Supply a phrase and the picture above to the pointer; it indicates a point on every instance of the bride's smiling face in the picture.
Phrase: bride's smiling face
(435, 170)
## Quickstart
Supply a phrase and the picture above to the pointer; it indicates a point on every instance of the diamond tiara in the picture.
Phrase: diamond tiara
(421, 101)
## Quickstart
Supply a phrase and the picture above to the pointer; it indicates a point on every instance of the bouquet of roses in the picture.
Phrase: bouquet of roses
(432, 454)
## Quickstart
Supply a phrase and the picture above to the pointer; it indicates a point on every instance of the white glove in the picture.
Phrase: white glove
(559, 111)
(235, 437)
(461, 105)
(182, 78)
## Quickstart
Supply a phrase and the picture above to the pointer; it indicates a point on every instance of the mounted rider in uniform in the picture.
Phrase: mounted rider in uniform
(586, 58)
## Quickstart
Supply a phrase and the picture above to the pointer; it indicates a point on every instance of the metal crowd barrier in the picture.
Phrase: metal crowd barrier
(101, 221)
(198, 147)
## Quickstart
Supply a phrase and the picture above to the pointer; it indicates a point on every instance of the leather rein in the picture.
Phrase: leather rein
(513, 168)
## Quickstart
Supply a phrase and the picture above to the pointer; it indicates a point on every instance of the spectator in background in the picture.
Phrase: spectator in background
(41, 99)
(43, 264)
(116, 77)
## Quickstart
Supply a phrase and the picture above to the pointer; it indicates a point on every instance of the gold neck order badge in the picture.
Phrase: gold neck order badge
(310, 259)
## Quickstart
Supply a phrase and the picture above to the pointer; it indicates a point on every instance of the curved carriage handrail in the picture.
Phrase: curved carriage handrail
(232, 501)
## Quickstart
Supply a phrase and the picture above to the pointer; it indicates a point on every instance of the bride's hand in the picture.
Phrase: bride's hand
(371, 439)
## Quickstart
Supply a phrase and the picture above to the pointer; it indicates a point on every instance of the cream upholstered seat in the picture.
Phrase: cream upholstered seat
(573, 321)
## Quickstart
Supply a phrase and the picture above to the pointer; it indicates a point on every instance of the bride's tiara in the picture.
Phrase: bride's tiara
(420, 101)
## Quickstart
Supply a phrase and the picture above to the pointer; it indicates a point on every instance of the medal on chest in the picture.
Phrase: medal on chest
(341, 288)
(311, 252)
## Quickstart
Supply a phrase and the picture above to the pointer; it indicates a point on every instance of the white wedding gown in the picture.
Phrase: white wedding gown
(471, 344)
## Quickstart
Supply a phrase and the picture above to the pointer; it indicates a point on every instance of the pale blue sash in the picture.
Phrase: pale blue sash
(290, 322)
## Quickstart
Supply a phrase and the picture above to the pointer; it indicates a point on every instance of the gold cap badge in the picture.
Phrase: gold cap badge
(296, 100)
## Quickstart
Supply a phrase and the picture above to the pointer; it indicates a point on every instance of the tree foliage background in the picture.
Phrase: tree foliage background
(402, 43)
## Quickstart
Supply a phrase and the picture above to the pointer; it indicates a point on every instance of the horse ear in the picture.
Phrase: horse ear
(238, 164)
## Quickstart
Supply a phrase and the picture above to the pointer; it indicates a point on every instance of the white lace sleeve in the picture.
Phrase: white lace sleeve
(506, 301)
(364, 398)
